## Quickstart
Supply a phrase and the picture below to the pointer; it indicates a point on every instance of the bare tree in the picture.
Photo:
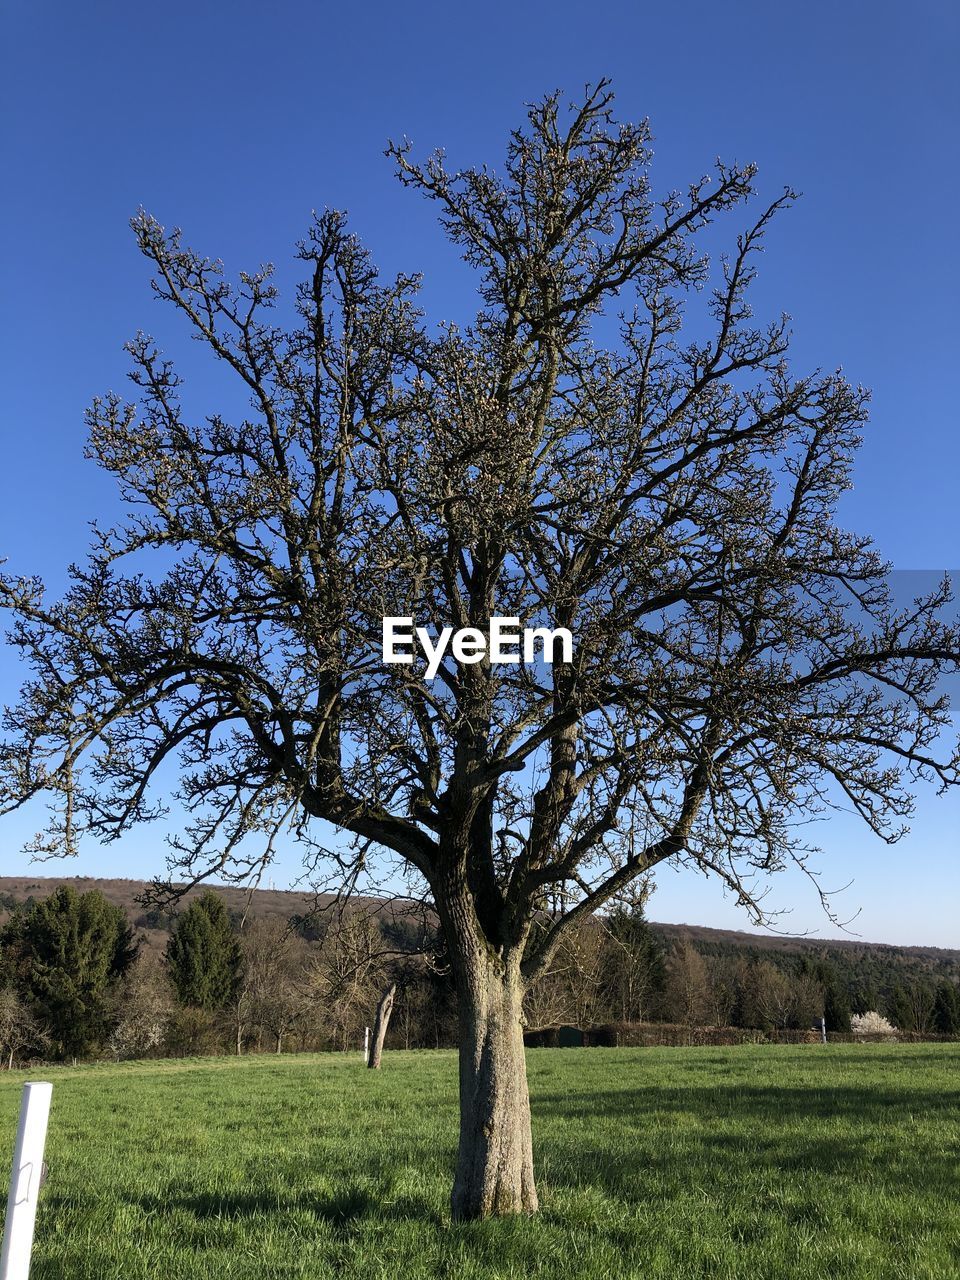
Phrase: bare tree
(723, 992)
(144, 1009)
(568, 460)
(380, 1024)
(808, 1000)
(688, 984)
(347, 975)
(634, 971)
(19, 1029)
(275, 988)
(773, 995)
(571, 988)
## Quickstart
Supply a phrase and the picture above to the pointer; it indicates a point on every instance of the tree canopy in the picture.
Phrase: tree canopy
(614, 446)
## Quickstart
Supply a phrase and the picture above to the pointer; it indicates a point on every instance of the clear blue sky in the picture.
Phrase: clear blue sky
(235, 120)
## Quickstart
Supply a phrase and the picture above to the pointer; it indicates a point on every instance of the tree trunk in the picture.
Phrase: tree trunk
(384, 1010)
(495, 1159)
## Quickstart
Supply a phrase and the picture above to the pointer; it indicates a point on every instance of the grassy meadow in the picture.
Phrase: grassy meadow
(746, 1162)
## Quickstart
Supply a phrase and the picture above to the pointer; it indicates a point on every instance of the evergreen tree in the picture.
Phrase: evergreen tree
(899, 1008)
(836, 998)
(864, 998)
(203, 955)
(946, 1009)
(634, 968)
(836, 1007)
(66, 954)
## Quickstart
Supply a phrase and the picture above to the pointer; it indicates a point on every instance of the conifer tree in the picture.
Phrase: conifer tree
(203, 955)
(899, 1009)
(66, 954)
(946, 1009)
(635, 972)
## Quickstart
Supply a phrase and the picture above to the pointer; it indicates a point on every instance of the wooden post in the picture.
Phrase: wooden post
(25, 1181)
(381, 1022)
(823, 1031)
(366, 1045)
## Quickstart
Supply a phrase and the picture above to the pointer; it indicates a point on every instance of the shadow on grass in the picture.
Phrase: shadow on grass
(845, 1131)
(354, 1203)
(343, 1209)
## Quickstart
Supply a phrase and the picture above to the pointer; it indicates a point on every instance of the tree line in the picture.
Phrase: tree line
(76, 981)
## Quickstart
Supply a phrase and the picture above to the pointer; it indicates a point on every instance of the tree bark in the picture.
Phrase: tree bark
(384, 1010)
(495, 1160)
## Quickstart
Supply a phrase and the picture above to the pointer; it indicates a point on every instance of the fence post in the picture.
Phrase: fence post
(366, 1055)
(823, 1031)
(25, 1181)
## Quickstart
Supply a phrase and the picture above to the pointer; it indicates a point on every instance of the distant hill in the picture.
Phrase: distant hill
(708, 939)
(154, 924)
(870, 966)
(124, 893)
(867, 970)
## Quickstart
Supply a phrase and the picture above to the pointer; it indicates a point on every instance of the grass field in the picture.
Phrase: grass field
(743, 1162)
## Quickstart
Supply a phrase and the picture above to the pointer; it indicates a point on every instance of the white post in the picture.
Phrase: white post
(25, 1181)
(366, 1054)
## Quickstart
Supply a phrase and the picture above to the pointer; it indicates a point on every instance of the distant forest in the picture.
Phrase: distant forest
(87, 971)
(869, 973)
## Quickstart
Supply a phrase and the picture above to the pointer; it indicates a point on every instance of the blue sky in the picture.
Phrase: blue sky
(235, 121)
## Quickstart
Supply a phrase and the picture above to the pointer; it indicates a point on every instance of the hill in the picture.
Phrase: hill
(152, 924)
(861, 966)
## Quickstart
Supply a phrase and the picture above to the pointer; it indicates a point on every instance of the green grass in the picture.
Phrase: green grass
(745, 1162)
